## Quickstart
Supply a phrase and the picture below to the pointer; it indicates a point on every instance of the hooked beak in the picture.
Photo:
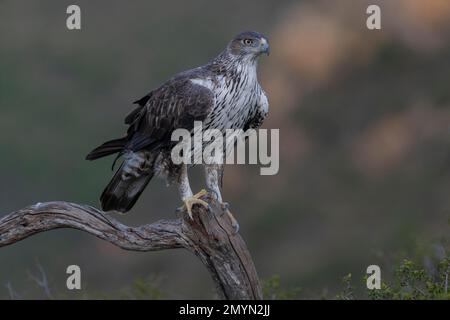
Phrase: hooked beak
(265, 48)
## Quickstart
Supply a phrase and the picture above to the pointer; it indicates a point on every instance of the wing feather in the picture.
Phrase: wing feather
(176, 104)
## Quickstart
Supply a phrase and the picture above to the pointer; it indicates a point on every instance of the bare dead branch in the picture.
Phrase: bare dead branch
(209, 236)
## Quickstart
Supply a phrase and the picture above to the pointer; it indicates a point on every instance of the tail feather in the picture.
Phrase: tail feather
(121, 194)
(108, 148)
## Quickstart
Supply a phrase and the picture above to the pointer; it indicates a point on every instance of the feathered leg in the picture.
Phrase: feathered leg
(186, 192)
(213, 175)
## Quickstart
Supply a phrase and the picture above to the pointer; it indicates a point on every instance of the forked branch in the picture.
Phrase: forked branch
(209, 236)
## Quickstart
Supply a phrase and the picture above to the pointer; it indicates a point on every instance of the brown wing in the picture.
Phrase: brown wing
(176, 104)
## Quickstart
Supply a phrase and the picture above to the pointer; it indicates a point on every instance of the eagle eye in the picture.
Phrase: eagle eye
(247, 42)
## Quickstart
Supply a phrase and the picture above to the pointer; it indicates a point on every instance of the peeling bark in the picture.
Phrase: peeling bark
(209, 236)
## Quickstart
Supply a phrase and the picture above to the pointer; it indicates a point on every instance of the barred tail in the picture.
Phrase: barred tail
(124, 190)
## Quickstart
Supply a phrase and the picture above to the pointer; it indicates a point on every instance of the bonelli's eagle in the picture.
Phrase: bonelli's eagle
(223, 94)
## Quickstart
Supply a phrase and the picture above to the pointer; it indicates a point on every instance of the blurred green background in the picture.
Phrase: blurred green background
(364, 134)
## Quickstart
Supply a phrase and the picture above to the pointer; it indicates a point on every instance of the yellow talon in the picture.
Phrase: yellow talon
(195, 199)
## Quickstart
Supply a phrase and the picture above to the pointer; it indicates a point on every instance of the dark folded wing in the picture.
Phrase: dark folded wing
(176, 104)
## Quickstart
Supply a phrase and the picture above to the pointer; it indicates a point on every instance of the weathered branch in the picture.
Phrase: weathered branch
(209, 236)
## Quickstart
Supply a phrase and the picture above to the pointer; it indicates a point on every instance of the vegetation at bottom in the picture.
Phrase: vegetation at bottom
(422, 277)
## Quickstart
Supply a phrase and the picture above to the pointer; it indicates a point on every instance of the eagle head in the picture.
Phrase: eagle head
(249, 43)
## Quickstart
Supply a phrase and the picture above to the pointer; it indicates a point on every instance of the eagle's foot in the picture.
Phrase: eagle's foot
(195, 199)
(234, 222)
(216, 195)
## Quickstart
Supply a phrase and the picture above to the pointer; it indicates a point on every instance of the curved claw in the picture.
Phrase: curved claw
(234, 222)
(214, 193)
(195, 199)
(189, 203)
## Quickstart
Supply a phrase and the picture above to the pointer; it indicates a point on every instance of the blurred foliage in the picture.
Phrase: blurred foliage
(347, 291)
(411, 281)
(145, 289)
(272, 290)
